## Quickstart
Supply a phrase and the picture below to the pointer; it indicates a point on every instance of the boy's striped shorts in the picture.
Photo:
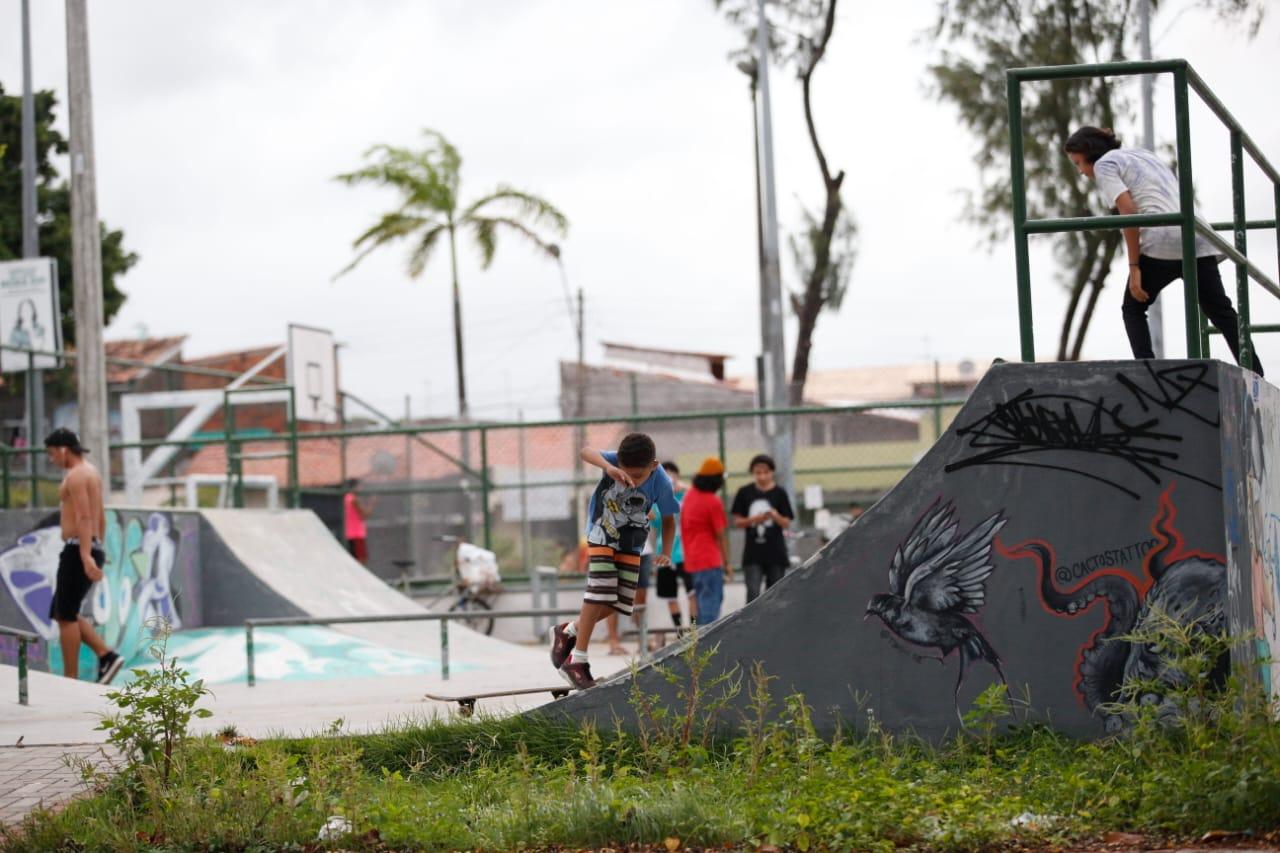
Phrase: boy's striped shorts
(611, 578)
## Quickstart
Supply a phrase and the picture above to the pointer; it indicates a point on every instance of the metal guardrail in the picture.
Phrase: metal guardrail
(23, 637)
(1185, 79)
(443, 618)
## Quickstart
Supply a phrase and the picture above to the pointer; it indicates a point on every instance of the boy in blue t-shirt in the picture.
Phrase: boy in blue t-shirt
(617, 527)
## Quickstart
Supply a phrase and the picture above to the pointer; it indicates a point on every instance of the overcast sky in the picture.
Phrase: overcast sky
(219, 127)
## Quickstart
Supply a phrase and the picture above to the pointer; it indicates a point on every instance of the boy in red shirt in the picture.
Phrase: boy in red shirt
(704, 530)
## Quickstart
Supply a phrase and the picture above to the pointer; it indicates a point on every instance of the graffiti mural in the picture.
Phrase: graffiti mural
(936, 577)
(1262, 516)
(1187, 585)
(1085, 436)
(144, 552)
(217, 655)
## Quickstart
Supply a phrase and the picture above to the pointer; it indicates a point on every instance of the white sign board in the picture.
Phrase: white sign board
(313, 373)
(29, 313)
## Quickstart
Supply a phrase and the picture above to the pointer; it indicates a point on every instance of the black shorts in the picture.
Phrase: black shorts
(669, 580)
(72, 583)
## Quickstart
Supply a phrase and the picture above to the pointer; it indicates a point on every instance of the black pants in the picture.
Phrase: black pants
(1157, 273)
(754, 574)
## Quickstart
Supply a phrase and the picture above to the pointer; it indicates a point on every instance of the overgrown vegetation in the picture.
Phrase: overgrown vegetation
(521, 783)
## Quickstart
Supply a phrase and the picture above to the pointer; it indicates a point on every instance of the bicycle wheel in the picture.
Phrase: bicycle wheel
(482, 621)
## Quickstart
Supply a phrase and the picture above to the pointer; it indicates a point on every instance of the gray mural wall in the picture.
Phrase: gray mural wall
(1065, 505)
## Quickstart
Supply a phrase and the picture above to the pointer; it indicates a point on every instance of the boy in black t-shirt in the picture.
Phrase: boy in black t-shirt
(763, 509)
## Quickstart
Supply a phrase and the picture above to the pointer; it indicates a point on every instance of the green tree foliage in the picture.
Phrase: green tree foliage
(978, 40)
(825, 249)
(430, 209)
(54, 200)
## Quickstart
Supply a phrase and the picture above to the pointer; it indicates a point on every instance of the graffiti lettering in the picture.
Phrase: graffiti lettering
(1122, 556)
(1034, 424)
(1172, 387)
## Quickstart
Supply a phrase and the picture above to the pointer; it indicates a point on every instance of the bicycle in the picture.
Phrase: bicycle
(476, 583)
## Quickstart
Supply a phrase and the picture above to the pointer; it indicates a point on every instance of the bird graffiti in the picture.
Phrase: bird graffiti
(935, 578)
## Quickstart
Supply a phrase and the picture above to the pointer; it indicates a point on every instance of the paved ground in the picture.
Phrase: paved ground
(39, 776)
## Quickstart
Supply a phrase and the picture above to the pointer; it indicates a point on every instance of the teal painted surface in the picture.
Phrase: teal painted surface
(286, 654)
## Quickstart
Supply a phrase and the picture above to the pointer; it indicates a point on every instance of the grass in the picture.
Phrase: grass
(519, 783)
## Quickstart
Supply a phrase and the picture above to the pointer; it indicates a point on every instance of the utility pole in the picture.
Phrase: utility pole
(778, 431)
(30, 208)
(1155, 314)
(579, 432)
(86, 245)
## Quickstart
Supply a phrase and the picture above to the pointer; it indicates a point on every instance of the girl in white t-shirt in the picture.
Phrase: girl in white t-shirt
(1133, 180)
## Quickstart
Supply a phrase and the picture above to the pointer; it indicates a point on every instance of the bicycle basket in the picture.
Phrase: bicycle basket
(477, 568)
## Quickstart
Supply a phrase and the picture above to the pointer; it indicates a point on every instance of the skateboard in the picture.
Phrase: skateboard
(467, 701)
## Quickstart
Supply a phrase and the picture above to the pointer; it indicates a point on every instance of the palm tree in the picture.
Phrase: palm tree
(427, 181)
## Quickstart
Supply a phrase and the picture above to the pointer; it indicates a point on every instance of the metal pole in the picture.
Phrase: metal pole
(771, 320)
(30, 208)
(579, 431)
(248, 651)
(1187, 201)
(5, 453)
(1018, 188)
(937, 400)
(444, 649)
(526, 535)
(1242, 274)
(1155, 314)
(410, 497)
(722, 446)
(484, 488)
(295, 484)
(31, 429)
(86, 245)
(22, 641)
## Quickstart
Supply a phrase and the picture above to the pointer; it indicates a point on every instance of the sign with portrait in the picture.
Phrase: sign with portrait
(29, 313)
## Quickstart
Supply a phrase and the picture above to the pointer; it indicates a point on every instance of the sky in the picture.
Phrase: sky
(219, 128)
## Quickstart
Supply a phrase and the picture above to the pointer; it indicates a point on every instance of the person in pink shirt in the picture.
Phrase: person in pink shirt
(354, 513)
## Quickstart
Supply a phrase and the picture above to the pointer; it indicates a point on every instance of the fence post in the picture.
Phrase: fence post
(444, 649)
(248, 651)
(1241, 235)
(484, 488)
(722, 446)
(5, 453)
(1187, 202)
(1018, 187)
(937, 400)
(22, 670)
(32, 426)
(295, 487)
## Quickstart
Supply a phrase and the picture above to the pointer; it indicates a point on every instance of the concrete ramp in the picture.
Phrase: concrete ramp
(1063, 506)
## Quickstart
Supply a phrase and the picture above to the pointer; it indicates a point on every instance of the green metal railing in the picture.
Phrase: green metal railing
(1185, 79)
(23, 638)
(443, 618)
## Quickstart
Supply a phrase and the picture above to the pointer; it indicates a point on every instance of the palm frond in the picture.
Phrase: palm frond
(423, 251)
(390, 227)
(519, 205)
(426, 180)
(490, 226)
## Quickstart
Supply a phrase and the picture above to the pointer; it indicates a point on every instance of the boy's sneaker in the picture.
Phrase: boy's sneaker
(561, 644)
(108, 666)
(578, 674)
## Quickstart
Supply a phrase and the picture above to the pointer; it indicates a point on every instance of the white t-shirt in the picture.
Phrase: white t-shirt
(1154, 189)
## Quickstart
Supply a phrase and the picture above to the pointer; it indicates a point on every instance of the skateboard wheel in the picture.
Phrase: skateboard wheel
(559, 694)
(466, 707)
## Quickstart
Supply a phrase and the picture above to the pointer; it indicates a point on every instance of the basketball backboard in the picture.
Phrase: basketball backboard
(312, 367)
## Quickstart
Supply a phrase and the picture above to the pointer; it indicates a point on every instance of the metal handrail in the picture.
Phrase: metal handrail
(1185, 78)
(23, 637)
(443, 618)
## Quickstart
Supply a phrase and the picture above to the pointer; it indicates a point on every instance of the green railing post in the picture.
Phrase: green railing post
(1241, 235)
(1187, 202)
(248, 651)
(4, 464)
(1275, 226)
(444, 649)
(1018, 185)
(484, 488)
(722, 448)
(295, 487)
(32, 426)
(22, 670)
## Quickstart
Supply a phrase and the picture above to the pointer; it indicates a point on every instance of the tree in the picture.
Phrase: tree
(430, 209)
(826, 248)
(54, 201)
(979, 40)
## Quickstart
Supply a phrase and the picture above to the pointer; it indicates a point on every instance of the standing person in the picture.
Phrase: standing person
(763, 509)
(705, 531)
(618, 525)
(83, 520)
(670, 578)
(1133, 180)
(355, 513)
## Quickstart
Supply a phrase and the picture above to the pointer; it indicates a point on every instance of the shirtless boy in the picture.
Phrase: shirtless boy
(83, 521)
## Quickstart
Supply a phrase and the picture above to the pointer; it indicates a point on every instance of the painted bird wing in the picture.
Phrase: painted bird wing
(932, 535)
(955, 580)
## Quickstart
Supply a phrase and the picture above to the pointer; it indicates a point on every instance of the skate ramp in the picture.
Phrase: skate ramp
(205, 572)
(1063, 504)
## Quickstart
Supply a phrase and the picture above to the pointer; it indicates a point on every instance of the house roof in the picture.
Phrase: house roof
(150, 350)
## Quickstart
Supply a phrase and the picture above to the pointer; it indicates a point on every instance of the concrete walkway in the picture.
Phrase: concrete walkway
(36, 776)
